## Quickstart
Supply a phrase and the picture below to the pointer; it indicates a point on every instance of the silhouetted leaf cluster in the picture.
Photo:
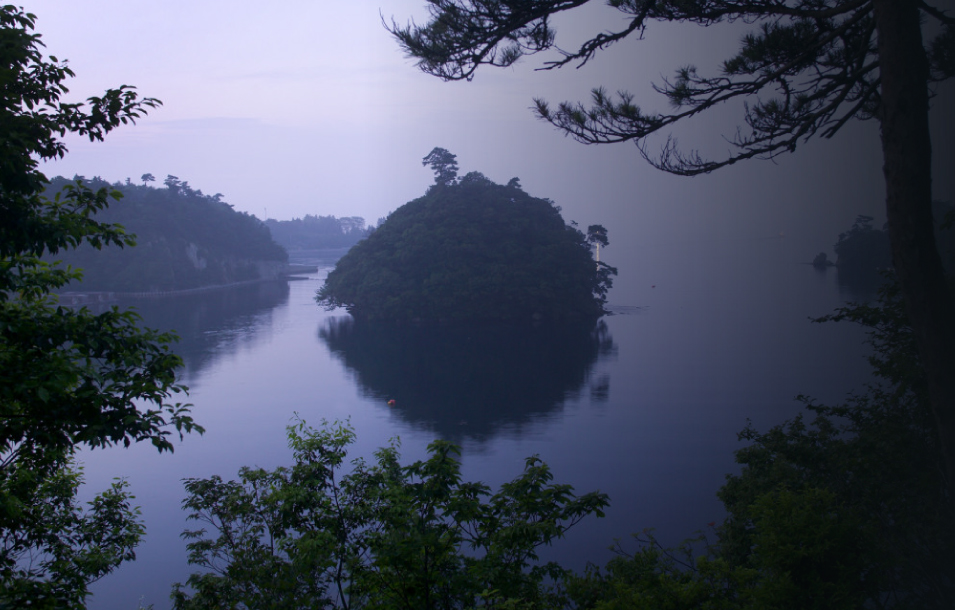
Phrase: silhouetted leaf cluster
(808, 67)
(328, 533)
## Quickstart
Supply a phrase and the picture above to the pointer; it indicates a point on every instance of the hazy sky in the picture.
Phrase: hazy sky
(298, 107)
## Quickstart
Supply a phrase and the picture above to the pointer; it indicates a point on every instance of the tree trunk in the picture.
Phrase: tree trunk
(907, 155)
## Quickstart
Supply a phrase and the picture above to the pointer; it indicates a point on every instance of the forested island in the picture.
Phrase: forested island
(863, 253)
(472, 250)
(184, 239)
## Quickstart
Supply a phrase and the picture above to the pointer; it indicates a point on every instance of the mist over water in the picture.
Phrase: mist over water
(644, 406)
(712, 303)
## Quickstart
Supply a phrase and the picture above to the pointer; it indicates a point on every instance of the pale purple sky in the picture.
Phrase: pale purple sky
(298, 107)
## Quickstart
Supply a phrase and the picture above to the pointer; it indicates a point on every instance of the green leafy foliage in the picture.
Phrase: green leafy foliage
(689, 577)
(374, 535)
(68, 378)
(471, 250)
(40, 512)
(184, 239)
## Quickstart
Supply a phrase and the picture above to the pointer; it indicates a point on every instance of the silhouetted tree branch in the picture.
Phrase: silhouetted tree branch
(806, 69)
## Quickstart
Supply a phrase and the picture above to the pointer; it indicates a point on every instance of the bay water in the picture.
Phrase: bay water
(645, 406)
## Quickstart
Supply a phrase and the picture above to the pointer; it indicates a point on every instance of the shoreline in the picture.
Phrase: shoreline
(91, 297)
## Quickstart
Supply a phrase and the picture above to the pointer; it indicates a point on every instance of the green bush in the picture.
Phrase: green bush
(323, 533)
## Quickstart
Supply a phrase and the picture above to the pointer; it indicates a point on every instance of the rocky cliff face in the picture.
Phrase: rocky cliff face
(271, 270)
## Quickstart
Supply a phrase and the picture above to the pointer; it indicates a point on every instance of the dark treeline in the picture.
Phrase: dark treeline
(863, 252)
(184, 239)
(318, 232)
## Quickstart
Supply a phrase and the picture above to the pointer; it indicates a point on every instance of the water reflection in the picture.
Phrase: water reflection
(213, 322)
(469, 383)
(857, 287)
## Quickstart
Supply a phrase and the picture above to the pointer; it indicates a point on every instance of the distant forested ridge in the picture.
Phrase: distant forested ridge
(184, 239)
(318, 232)
(472, 250)
(863, 252)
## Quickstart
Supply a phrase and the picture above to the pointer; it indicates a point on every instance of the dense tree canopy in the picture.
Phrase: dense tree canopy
(443, 164)
(471, 250)
(184, 239)
(807, 68)
(68, 378)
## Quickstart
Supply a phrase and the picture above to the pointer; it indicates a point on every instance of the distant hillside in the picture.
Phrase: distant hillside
(318, 232)
(184, 239)
(863, 252)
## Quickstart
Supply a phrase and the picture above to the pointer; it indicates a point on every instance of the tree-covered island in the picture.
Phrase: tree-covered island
(472, 250)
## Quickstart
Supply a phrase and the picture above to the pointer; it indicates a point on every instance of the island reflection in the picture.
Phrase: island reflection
(214, 322)
(468, 383)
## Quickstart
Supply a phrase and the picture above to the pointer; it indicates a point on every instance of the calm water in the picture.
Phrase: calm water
(644, 407)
